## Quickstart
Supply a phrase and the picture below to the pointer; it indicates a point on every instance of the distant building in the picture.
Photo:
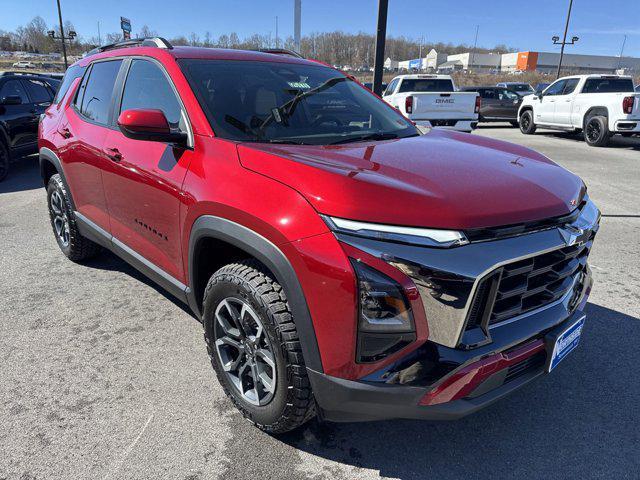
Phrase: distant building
(434, 60)
(546, 62)
(390, 64)
(482, 62)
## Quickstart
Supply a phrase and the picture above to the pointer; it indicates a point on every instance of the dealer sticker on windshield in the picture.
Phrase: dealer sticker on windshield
(566, 343)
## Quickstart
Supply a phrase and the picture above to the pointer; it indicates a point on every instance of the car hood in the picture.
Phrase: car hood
(442, 179)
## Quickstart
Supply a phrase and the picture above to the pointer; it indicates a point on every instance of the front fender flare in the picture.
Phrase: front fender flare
(208, 226)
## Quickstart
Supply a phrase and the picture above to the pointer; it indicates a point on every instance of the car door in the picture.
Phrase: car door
(143, 183)
(564, 103)
(546, 108)
(41, 95)
(489, 105)
(83, 130)
(509, 103)
(17, 119)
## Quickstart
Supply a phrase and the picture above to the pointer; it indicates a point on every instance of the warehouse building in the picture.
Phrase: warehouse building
(529, 61)
(546, 62)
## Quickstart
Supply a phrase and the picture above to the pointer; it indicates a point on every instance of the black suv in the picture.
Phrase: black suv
(23, 97)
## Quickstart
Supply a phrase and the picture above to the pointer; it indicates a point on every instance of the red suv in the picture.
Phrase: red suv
(342, 263)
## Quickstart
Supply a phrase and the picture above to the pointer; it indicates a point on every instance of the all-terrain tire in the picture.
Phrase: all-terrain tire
(76, 247)
(4, 161)
(292, 403)
(596, 131)
(526, 123)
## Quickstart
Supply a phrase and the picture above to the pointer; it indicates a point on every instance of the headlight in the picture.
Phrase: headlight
(383, 305)
(427, 237)
(385, 318)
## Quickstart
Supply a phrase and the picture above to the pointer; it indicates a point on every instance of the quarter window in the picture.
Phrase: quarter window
(148, 87)
(13, 88)
(74, 72)
(98, 91)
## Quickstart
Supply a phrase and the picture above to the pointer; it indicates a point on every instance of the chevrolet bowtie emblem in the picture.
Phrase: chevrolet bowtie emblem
(571, 234)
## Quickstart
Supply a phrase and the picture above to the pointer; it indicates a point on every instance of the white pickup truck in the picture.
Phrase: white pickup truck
(432, 101)
(598, 105)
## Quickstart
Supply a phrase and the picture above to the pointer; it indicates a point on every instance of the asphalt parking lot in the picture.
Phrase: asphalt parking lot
(102, 376)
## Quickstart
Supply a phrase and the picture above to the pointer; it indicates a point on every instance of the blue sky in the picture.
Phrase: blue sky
(524, 24)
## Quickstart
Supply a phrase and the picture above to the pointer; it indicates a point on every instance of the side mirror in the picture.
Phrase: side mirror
(150, 125)
(11, 100)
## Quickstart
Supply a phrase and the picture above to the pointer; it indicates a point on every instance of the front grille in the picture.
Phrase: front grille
(538, 281)
(534, 362)
(529, 284)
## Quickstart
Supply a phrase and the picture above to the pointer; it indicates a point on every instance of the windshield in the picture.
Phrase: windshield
(521, 87)
(425, 85)
(289, 103)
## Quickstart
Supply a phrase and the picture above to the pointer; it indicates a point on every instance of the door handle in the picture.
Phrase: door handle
(114, 154)
(65, 133)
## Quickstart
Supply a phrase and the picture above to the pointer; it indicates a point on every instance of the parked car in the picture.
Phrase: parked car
(23, 64)
(598, 105)
(432, 101)
(341, 263)
(22, 99)
(497, 104)
(369, 85)
(522, 89)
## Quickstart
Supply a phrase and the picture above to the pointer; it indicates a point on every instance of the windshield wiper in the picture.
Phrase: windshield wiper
(286, 109)
(369, 136)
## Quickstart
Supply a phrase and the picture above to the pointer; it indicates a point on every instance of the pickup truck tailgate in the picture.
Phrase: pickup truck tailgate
(459, 105)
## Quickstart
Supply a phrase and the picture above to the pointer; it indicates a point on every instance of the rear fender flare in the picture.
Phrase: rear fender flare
(47, 155)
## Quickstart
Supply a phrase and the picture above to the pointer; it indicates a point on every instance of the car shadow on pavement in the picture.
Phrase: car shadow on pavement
(581, 421)
(24, 174)
(107, 260)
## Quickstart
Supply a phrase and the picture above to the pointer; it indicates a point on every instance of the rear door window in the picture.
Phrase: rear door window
(95, 100)
(39, 91)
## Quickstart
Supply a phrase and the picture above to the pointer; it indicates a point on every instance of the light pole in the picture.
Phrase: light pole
(381, 34)
(71, 36)
(564, 39)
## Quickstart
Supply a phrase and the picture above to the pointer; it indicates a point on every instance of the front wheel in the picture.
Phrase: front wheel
(596, 131)
(254, 347)
(527, 125)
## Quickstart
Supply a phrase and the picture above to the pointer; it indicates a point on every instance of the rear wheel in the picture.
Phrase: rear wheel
(4, 161)
(63, 221)
(254, 347)
(527, 125)
(596, 131)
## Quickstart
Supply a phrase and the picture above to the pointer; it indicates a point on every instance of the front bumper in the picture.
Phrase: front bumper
(340, 400)
(472, 356)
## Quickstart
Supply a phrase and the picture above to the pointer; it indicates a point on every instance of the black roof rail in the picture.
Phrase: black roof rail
(157, 42)
(280, 51)
(30, 74)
